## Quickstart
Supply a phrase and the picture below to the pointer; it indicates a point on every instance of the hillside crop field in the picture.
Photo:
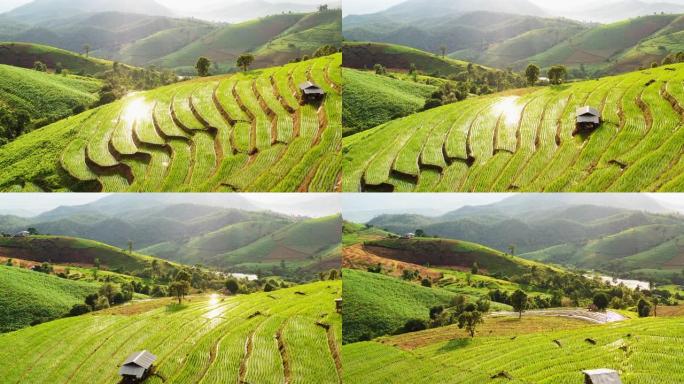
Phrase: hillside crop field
(287, 336)
(245, 132)
(26, 54)
(523, 141)
(27, 297)
(643, 351)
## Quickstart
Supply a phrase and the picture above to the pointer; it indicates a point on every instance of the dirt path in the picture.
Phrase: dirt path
(575, 313)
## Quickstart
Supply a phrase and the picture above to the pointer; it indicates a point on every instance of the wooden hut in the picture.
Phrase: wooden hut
(601, 376)
(338, 305)
(311, 92)
(137, 367)
(588, 119)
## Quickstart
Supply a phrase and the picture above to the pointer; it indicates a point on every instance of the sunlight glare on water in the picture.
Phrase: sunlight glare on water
(136, 110)
(509, 108)
(214, 299)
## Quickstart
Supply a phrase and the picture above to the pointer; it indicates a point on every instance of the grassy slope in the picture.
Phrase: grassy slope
(202, 340)
(298, 245)
(370, 99)
(203, 249)
(162, 43)
(27, 296)
(364, 55)
(26, 54)
(528, 357)
(66, 250)
(45, 95)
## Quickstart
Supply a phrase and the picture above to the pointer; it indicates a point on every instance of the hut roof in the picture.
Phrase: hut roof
(602, 376)
(587, 111)
(137, 363)
(311, 89)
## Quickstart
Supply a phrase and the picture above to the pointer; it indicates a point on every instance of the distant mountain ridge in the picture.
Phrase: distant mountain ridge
(39, 11)
(624, 9)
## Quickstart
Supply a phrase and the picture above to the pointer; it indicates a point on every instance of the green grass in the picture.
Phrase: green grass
(523, 141)
(652, 349)
(45, 97)
(28, 297)
(174, 150)
(203, 340)
(370, 99)
(26, 54)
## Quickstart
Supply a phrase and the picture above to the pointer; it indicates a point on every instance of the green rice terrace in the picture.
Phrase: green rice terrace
(287, 336)
(243, 132)
(525, 140)
(643, 351)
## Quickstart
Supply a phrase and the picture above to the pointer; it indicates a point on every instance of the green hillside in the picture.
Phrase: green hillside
(232, 133)
(288, 335)
(364, 55)
(45, 97)
(28, 297)
(26, 54)
(297, 245)
(69, 250)
(628, 347)
(273, 40)
(524, 141)
(370, 312)
(370, 99)
(614, 47)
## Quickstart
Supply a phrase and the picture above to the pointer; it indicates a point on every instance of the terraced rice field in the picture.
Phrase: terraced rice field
(643, 351)
(286, 336)
(243, 132)
(523, 141)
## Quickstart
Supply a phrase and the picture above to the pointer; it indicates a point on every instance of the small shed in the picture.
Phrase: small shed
(23, 234)
(588, 119)
(409, 236)
(137, 367)
(601, 376)
(338, 305)
(311, 92)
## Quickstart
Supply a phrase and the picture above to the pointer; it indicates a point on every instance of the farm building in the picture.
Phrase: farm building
(601, 376)
(588, 118)
(409, 236)
(23, 234)
(311, 92)
(338, 305)
(137, 366)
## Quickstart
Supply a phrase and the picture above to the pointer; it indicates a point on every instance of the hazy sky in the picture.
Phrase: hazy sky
(355, 7)
(302, 204)
(179, 5)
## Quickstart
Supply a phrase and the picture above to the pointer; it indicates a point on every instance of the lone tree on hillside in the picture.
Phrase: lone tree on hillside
(232, 285)
(557, 74)
(323, 8)
(519, 302)
(39, 66)
(601, 301)
(86, 49)
(469, 319)
(643, 309)
(244, 61)
(420, 233)
(475, 269)
(179, 289)
(202, 66)
(532, 74)
(511, 249)
(443, 49)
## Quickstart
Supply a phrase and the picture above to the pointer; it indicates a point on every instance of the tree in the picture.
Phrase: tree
(79, 309)
(332, 275)
(101, 303)
(420, 233)
(244, 61)
(655, 302)
(557, 74)
(130, 247)
(179, 289)
(325, 50)
(59, 68)
(202, 66)
(9, 263)
(519, 302)
(108, 290)
(470, 319)
(475, 269)
(39, 66)
(443, 49)
(32, 231)
(426, 282)
(532, 74)
(96, 263)
(86, 49)
(511, 249)
(643, 309)
(232, 285)
(601, 301)
(323, 8)
(415, 325)
(379, 69)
